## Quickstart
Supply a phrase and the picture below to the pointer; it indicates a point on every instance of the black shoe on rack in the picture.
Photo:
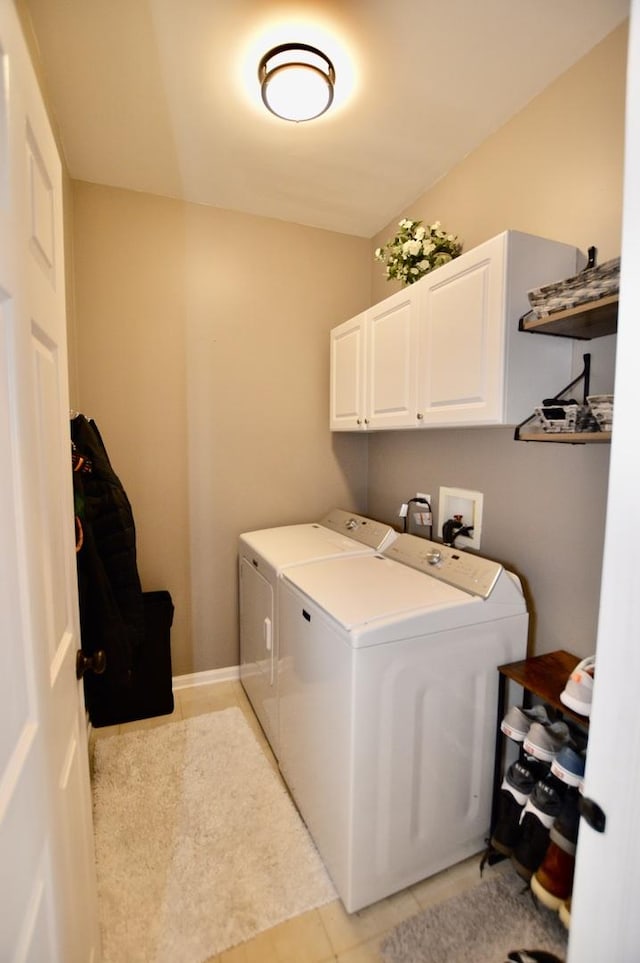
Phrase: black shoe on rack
(517, 786)
(542, 807)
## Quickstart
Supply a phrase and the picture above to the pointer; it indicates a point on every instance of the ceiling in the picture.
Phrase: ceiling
(162, 95)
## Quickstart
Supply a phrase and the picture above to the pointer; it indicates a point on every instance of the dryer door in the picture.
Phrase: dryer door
(257, 648)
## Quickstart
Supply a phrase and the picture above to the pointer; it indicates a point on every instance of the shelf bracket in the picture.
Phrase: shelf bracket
(584, 376)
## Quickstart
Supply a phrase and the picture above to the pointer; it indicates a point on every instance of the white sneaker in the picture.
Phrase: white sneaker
(578, 691)
(545, 742)
(518, 721)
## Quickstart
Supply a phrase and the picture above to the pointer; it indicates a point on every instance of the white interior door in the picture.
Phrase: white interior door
(605, 922)
(47, 873)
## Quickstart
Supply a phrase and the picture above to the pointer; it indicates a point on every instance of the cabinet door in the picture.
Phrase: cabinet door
(391, 361)
(348, 345)
(461, 340)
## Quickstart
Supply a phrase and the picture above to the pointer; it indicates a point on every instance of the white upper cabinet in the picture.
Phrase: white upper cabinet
(347, 393)
(460, 341)
(446, 351)
(390, 382)
(373, 366)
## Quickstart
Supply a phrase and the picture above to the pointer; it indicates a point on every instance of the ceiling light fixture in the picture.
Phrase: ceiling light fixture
(297, 81)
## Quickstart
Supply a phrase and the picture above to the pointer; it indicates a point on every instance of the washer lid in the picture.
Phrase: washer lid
(375, 599)
(293, 544)
(339, 533)
(361, 590)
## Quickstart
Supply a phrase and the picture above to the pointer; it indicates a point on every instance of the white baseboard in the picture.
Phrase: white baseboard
(228, 674)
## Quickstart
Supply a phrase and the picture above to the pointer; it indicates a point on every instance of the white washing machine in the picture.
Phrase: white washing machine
(262, 556)
(388, 691)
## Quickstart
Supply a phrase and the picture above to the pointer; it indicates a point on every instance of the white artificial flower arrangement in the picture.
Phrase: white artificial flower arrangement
(415, 250)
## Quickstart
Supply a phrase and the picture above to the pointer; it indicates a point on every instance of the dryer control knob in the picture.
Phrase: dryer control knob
(434, 556)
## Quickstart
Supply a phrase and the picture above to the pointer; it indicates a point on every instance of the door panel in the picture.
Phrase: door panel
(460, 377)
(52, 493)
(41, 212)
(461, 354)
(14, 697)
(347, 374)
(392, 328)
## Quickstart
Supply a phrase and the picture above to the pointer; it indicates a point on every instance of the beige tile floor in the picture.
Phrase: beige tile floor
(328, 933)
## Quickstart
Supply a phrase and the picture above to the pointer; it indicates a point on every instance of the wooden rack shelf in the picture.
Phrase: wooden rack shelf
(593, 320)
(526, 431)
(544, 676)
(566, 437)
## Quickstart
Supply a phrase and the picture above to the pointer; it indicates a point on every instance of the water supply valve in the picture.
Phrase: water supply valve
(450, 528)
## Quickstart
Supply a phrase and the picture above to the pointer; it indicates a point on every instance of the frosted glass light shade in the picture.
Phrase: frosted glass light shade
(297, 81)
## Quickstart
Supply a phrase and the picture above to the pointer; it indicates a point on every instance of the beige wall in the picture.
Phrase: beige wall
(202, 348)
(554, 170)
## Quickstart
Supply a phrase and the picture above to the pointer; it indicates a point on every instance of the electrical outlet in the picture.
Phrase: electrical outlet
(422, 514)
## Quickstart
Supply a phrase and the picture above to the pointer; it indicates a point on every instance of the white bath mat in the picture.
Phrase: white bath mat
(198, 846)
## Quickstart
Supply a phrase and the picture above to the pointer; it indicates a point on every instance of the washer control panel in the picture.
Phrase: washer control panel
(471, 573)
(364, 530)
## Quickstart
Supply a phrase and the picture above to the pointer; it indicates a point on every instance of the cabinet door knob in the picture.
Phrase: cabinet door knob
(419, 416)
(366, 421)
(358, 421)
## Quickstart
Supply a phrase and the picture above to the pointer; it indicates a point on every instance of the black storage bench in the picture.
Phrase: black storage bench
(150, 692)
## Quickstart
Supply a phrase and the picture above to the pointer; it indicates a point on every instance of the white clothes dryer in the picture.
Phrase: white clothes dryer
(388, 692)
(262, 556)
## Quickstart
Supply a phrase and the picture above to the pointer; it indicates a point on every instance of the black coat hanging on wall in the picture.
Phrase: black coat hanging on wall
(116, 617)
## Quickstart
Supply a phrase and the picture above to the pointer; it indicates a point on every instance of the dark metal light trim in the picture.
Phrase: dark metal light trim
(265, 75)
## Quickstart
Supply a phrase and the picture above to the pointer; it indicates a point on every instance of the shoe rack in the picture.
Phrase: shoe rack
(542, 677)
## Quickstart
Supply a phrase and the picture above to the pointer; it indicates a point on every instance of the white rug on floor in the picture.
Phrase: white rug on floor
(198, 846)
